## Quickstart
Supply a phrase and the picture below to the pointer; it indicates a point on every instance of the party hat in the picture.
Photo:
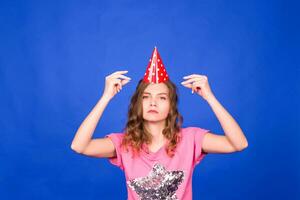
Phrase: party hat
(155, 72)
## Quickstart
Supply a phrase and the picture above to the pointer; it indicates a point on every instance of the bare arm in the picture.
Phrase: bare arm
(83, 142)
(234, 138)
(85, 132)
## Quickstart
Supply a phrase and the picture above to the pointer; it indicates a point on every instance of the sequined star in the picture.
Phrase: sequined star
(159, 184)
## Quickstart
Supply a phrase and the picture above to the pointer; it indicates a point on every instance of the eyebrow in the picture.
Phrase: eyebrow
(158, 93)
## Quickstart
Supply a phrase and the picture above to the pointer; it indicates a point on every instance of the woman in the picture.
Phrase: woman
(157, 155)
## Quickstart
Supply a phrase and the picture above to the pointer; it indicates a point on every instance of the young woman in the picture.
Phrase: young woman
(157, 155)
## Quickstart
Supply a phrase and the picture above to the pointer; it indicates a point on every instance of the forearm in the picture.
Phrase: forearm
(85, 132)
(231, 128)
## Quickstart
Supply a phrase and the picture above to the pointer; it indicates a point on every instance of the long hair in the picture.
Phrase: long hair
(135, 132)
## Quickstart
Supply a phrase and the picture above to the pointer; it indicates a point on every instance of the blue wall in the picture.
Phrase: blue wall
(54, 56)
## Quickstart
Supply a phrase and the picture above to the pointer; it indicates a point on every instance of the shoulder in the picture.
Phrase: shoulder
(115, 137)
(192, 133)
(120, 135)
(193, 130)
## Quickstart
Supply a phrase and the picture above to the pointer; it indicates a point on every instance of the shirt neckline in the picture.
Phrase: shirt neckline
(155, 155)
(156, 152)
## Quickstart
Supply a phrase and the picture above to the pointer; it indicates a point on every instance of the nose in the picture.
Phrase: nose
(153, 102)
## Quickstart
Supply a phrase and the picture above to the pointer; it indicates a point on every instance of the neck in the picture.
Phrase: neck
(155, 129)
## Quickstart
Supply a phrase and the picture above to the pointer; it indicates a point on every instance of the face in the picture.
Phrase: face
(156, 99)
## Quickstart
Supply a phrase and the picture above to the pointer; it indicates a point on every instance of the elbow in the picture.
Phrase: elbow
(242, 147)
(76, 149)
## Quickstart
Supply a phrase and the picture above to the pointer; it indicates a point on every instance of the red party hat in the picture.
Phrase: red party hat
(155, 72)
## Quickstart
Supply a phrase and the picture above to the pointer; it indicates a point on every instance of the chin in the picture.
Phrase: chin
(153, 119)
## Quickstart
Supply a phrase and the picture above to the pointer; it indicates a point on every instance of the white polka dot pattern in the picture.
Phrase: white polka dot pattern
(155, 72)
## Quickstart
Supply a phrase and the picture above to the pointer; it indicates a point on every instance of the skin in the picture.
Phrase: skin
(155, 97)
(232, 140)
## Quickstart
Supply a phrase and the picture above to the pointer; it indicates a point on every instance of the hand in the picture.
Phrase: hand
(199, 84)
(113, 83)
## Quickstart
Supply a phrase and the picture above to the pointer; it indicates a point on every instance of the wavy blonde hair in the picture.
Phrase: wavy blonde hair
(135, 132)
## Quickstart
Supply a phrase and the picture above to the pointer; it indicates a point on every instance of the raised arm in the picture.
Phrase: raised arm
(234, 138)
(83, 142)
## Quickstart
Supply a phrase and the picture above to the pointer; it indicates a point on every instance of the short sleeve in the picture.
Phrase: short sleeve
(116, 138)
(198, 139)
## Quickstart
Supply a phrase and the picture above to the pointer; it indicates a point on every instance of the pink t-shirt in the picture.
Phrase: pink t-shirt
(155, 175)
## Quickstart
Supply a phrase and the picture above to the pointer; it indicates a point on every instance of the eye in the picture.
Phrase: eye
(144, 97)
(164, 98)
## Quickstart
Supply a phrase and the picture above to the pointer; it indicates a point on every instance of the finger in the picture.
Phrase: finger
(194, 87)
(124, 82)
(118, 72)
(198, 82)
(117, 83)
(118, 87)
(121, 76)
(192, 80)
(192, 76)
(188, 85)
(115, 90)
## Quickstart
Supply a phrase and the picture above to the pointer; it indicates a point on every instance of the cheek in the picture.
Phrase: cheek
(144, 106)
(166, 108)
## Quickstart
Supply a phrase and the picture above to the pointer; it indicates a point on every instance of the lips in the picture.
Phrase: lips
(152, 111)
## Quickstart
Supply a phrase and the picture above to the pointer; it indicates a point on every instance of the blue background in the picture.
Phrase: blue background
(54, 56)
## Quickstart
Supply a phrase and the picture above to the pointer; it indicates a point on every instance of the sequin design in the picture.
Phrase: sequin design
(159, 184)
